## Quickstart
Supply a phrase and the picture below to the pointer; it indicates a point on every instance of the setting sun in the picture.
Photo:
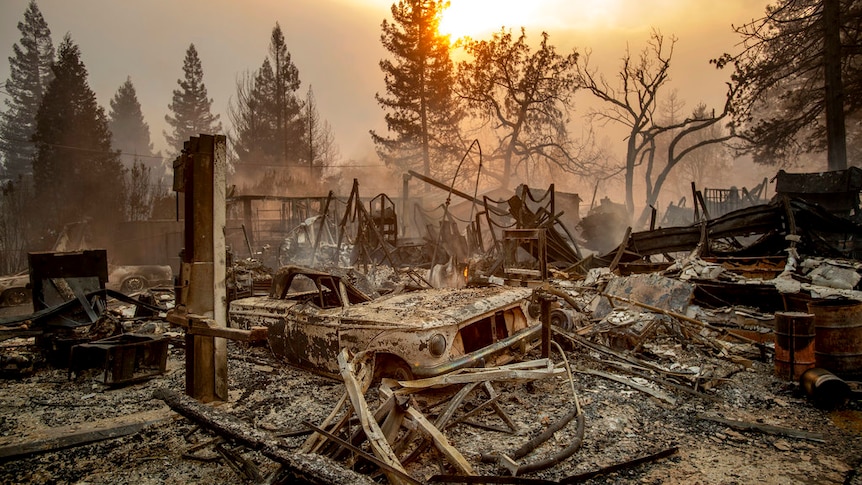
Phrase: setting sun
(477, 17)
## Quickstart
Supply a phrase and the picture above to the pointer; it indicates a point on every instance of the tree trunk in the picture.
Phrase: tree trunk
(835, 134)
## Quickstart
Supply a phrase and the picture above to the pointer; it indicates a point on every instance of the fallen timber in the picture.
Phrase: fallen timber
(304, 467)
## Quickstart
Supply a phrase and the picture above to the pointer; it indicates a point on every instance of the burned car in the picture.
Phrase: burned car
(312, 315)
(133, 278)
(14, 289)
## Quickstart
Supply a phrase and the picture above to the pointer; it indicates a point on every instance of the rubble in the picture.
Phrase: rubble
(653, 372)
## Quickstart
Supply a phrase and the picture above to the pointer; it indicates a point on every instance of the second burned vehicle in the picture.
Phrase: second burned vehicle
(312, 315)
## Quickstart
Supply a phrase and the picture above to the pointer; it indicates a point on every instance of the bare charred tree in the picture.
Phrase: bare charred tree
(140, 192)
(322, 150)
(798, 74)
(692, 136)
(522, 96)
(29, 75)
(190, 106)
(422, 111)
(708, 164)
(633, 102)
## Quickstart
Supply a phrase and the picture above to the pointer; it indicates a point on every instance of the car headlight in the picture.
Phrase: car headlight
(437, 345)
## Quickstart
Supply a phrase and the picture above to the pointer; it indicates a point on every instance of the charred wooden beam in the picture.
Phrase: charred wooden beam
(442, 186)
(81, 434)
(201, 325)
(620, 466)
(306, 468)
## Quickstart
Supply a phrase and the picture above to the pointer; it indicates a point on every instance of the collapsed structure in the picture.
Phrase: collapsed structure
(358, 299)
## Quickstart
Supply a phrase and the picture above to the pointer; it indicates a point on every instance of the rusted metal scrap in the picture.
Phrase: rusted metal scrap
(560, 250)
(509, 460)
(820, 233)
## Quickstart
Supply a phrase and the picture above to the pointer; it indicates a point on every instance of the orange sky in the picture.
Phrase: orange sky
(335, 45)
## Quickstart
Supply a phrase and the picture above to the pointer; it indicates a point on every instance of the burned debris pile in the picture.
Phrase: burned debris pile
(492, 341)
(78, 324)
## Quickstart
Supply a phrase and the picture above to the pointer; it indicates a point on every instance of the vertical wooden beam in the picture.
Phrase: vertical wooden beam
(545, 305)
(219, 182)
(836, 143)
(205, 265)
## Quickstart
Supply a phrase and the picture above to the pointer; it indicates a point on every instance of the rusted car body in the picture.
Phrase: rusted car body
(14, 290)
(132, 278)
(312, 315)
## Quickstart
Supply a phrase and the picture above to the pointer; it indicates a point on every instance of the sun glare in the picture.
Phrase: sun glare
(477, 18)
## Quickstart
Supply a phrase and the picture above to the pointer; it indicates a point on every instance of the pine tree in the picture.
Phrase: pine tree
(130, 133)
(29, 75)
(76, 175)
(423, 113)
(190, 106)
(252, 119)
(799, 77)
(288, 110)
(267, 118)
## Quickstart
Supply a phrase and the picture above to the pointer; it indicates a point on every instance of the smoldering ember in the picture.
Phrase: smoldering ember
(719, 351)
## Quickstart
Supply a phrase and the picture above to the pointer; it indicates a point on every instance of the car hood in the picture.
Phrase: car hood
(433, 307)
(14, 281)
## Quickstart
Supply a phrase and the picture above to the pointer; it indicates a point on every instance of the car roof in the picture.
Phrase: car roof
(286, 274)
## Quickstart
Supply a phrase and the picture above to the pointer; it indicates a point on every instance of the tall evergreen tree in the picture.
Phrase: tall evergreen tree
(130, 133)
(422, 111)
(190, 107)
(252, 118)
(799, 75)
(76, 174)
(29, 75)
(288, 109)
(268, 121)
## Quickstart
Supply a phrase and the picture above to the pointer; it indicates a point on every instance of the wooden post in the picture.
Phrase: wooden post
(546, 324)
(203, 269)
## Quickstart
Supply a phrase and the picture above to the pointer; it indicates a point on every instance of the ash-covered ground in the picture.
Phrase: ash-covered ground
(621, 423)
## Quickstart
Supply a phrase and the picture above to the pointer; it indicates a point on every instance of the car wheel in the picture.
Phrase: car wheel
(561, 319)
(133, 284)
(392, 367)
(15, 296)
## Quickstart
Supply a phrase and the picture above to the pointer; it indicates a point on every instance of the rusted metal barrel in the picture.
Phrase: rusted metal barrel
(825, 388)
(838, 340)
(794, 344)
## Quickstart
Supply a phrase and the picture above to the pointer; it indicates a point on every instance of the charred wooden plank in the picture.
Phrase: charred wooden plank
(766, 428)
(311, 468)
(620, 466)
(375, 435)
(81, 434)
